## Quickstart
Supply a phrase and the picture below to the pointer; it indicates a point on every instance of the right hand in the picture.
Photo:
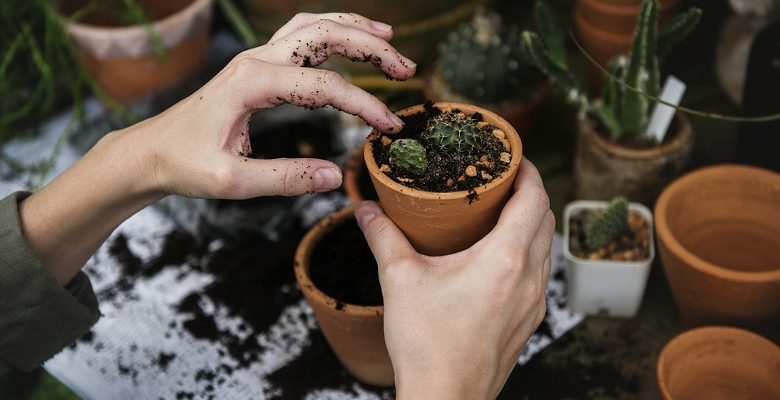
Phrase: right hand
(455, 325)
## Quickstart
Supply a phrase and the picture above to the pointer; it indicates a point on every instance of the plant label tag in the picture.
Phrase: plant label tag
(662, 115)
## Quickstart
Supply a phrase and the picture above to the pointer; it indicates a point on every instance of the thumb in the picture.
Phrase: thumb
(386, 241)
(285, 177)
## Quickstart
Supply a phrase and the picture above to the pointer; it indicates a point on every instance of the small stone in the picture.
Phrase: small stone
(386, 140)
(486, 176)
(482, 124)
(499, 134)
(484, 158)
(461, 178)
(384, 168)
(505, 143)
(505, 157)
(405, 180)
(450, 182)
(471, 171)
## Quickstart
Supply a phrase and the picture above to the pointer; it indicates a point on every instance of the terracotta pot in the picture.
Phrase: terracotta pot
(719, 363)
(121, 58)
(414, 35)
(444, 223)
(355, 177)
(719, 239)
(604, 169)
(522, 115)
(355, 333)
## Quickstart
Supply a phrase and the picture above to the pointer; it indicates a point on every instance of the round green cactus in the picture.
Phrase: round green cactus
(483, 61)
(409, 156)
(608, 225)
(453, 132)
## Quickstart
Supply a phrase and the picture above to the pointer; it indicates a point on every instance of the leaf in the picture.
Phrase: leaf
(680, 26)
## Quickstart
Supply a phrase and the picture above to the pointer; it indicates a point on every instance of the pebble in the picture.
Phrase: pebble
(471, 171)
(450, 182)
(384, 168)
(461, 178)
(486, 176)
(499, 134)
(505, 157)
(505, 143)
(386, 140)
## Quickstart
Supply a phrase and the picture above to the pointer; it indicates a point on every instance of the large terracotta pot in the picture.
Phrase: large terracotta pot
(444, 223)
(719, 363)
(719, 239)
(121, 57)
(522, 115)
(604, 169)
(355, 333)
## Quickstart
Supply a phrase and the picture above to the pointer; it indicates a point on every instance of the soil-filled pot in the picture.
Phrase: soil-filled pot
(719, 239)
(604, 169)
(354, 332)
(357, 182)
(438, 223)
(521, 114)
(719, 363)
(121, 57)
(603, 286)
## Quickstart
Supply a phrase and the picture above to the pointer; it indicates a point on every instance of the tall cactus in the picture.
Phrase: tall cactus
(609, 224)
(622, 111)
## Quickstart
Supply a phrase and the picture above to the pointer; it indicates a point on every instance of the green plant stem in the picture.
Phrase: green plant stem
(239, 23)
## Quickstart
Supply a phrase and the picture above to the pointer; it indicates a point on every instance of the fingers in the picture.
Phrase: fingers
(525, 211)
(356, 21)
(242, 178)
(310, 88)
(386, 241)
(314, 44)
(546, 272)
(542, 243)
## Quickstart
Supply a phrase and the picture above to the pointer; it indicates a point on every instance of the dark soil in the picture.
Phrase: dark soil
(446, 172)
(343, 267)
(304, 137)
(632, 245)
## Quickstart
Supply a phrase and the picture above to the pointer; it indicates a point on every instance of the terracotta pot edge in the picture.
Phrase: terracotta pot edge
(683, 138)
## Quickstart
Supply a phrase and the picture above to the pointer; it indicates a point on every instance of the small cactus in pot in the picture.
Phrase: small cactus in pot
(453, 132)
(409, 156)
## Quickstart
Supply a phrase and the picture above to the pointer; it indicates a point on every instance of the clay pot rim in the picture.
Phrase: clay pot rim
(684, 135)
(591, 204)
(538, 96)
(488, 116)
(666, 236)
(737, 334)
(302, 253)
(135, 29)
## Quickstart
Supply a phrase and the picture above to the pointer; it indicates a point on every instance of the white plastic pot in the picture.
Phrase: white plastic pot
(605, 287)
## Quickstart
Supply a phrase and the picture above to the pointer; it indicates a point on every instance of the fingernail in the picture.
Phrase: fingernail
(396, 120)
(327, 179)
(407, 62)
(380, 26)
(365, 213)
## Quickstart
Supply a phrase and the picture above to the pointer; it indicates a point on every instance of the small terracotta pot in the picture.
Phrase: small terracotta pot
(121, 58)
(604, 169)
(355, 333)
(445, 223)
(719, 363)
(522, 115)
(719, 239)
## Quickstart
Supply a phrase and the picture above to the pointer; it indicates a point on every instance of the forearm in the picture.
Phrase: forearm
(67, 220)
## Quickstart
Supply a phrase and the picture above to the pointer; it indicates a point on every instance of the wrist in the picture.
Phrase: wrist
(438, 384)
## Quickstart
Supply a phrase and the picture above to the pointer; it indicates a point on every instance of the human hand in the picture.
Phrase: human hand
(455, 325)
(199, 147)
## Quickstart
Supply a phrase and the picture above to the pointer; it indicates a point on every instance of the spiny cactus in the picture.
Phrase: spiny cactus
(622, 111)
(452, 132)
(483, 61)
(608, 225)
(409, 155)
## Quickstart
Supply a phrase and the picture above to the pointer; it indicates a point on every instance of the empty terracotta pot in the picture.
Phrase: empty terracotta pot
(719, 363)
(445, 223)
(719, 239)
(121, 57)
(355, 333)
(604, 169)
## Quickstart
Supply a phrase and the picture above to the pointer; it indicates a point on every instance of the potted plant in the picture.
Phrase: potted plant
(719, 240)
(128, 58)
(342, 288)
(482, 63)
(609, 250)
(445, 177)
(616, 155)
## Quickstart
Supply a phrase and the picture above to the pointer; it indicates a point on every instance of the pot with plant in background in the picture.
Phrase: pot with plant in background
(138, 46)
(342, 288)
(609, 250)
(481, 63)
(445, 178)
(618, 151)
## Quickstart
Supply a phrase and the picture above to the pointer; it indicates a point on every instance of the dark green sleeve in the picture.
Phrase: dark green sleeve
(38, 317)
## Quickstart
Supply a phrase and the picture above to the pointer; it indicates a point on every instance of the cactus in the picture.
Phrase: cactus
(623, 112)
(409, 156)
(483, 61)
(452, 132)
(609, 224)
